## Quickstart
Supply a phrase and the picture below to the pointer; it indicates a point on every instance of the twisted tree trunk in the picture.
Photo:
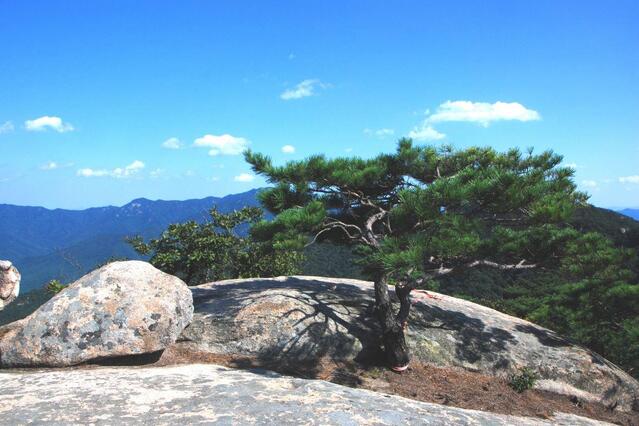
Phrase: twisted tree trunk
(395, 346)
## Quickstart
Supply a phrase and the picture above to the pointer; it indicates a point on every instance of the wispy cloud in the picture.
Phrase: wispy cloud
(223, 144)
(172, 143)
(629, 179)
(482, 113)
(288, 149)
(6, 127)
(119, 172)
(156, 173)
(303, 89)
(244, 177)
(52, 165)
(380, 133)
(48, 122)
(425, 132)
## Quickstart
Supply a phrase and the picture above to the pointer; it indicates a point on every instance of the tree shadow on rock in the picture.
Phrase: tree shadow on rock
(545, 337)
(324, 323)
(474, 341)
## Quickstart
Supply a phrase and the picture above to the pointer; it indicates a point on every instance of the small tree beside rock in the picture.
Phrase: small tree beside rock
(214, 250)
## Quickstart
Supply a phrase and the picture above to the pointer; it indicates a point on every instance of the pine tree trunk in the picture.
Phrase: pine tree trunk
(393, 339)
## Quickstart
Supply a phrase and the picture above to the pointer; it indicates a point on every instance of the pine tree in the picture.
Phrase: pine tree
(421, 213)
(598, 304)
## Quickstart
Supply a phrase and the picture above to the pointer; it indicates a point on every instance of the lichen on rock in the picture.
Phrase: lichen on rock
(123, 308)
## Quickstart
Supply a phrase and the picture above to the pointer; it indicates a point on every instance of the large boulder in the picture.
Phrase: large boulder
(9, 283)
(123, 308)
(210, 394)
(304, 319)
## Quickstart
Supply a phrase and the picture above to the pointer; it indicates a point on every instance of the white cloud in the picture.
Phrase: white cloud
(47, 122)
(51, 165)
(222, 145)
(118, 172)
(380, 133)
(172, 143)
(303, 89)
(288, 149)
(589, 183)
(425, 132)
(629, 179)
(92, 172)
(482, 113)
(156, 173)
(244, 177)
(7, 127)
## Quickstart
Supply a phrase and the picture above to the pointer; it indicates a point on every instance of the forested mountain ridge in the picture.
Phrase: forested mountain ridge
(64, 244)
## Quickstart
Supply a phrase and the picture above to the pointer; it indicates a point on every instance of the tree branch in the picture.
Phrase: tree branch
(502, 266)
(336, 224)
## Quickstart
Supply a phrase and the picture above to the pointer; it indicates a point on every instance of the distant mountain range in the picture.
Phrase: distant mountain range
(633, 213)
(65, 244)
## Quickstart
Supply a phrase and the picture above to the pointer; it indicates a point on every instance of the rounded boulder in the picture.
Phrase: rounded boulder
(9, 283)
(123, 308)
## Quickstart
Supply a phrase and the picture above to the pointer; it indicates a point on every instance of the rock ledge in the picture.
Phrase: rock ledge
(213, 394)
(303, 319)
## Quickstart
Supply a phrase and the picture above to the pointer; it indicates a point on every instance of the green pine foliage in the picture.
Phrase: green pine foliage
(598, 305)
(445, 208)
(211, 251)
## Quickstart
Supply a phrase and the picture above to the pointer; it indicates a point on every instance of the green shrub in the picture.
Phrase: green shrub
(524, 380)
(203, 252)
(55, 286)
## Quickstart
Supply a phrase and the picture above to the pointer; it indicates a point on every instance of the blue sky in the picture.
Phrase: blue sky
(103, 102)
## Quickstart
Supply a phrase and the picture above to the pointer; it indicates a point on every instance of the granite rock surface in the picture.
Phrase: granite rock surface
(305, 319)
(123, 308)
(210, 394)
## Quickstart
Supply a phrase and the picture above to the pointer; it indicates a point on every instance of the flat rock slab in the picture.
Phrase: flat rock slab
(210, 394)
(305, 319)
